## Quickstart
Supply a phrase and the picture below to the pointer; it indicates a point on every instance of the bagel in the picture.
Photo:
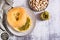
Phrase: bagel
(16, 17)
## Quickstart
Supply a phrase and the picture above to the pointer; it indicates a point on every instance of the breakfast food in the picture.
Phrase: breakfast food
(38, 5)
(18, 19)
(44, 15)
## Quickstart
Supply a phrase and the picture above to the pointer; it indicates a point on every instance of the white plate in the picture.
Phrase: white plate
(31, 14)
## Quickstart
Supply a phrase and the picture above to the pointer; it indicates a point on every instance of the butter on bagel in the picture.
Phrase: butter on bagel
(16, 17)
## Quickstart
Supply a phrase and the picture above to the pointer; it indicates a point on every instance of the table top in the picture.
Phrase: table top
(44, 30)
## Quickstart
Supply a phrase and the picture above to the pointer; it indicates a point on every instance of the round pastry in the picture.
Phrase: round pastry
(17, 18)
(38, 5)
